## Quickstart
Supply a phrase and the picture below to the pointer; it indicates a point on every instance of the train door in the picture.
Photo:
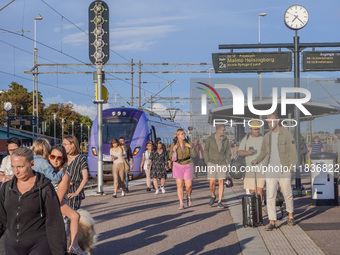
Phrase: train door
(153, 134)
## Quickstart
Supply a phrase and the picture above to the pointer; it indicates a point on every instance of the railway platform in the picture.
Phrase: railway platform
(145, 223)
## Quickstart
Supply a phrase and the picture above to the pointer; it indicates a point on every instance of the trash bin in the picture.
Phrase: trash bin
(324, 178)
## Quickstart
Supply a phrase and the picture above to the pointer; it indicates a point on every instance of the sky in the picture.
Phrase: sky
(152, 31)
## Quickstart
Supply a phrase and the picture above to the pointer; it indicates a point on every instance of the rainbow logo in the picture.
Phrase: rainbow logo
(209, 93)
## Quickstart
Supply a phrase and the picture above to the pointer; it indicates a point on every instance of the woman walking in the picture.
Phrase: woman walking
(145, 163)
(158, 165)
(180, 154)
(58, 160)
(78, 169)
(117, 154)
(29, 210)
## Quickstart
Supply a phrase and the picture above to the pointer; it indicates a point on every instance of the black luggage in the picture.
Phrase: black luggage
(252, 209)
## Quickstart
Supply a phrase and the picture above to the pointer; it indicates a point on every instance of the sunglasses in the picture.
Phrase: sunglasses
(59, 158)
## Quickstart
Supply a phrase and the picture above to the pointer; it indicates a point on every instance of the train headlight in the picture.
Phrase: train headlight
(94, 152)
(124, 113)
(113, 113)
(119, 113)
(135, 151)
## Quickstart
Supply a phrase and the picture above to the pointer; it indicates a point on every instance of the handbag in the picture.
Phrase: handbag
(238, 164)
(174, 156)
(126, 166)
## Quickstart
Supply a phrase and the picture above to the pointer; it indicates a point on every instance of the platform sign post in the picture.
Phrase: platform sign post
(99, 50)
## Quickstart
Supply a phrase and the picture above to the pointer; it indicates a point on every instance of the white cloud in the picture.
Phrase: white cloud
(53, 100)
(77, 39)
(139, 38)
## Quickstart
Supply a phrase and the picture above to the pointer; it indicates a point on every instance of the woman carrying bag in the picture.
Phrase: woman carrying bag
(183, 171)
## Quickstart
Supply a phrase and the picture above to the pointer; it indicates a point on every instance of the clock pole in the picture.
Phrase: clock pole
(296, 109)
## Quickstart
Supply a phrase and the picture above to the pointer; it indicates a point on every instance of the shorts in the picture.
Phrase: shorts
(216, 172)
(183, 172)
(249, 180)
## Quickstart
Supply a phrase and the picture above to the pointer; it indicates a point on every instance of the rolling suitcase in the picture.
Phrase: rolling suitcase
(252, 209)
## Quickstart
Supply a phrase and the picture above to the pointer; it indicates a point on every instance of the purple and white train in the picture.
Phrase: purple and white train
(137, 127)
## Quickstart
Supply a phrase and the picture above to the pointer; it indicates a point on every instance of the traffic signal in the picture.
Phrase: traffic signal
(99, 37)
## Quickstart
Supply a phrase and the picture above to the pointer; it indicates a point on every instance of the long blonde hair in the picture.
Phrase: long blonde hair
(177, 132)
(41, 147)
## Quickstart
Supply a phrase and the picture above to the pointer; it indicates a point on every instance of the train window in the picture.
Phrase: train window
(115, 127)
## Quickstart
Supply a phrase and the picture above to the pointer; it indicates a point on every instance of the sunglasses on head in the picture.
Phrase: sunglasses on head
(159, 142)
(59, 158)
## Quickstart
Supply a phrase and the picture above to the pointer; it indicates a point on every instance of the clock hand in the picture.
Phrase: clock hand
(294, 18)
(301, 21)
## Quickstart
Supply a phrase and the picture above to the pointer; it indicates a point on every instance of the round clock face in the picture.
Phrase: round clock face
(296, 17)
(8, 106)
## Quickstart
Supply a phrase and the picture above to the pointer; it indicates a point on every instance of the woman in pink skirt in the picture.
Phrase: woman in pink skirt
(182, 170)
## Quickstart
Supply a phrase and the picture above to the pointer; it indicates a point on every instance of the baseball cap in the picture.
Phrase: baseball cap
(255, 124)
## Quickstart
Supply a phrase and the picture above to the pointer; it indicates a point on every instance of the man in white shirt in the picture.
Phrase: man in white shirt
(6, 172)
(250, 148)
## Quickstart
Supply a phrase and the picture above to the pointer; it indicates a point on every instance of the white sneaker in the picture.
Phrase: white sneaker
(157, 191)
(123, 193)
(163, 190)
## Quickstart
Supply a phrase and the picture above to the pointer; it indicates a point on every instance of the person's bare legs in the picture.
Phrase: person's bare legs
(180, 184)
(188, 187)
(212, 186)
(74, 223)
(220, 189)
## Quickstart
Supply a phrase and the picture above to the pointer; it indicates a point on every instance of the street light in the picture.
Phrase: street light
(81, 137)
(260, 74)
(35, 75)
(8, 106)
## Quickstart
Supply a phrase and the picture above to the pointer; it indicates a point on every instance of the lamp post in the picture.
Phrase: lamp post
(81, 137)
(72, 127)
(8, 106)
(35, 75)
(55, 127)
(260, 74)
(62, 128)
(116, 99)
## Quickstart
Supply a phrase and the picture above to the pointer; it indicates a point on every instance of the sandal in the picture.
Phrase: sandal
(77, 250)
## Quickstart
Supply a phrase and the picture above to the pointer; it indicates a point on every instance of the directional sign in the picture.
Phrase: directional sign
(24, 120)
(250, 62)
(321, 61)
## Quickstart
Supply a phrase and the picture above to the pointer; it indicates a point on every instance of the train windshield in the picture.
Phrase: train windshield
(116, 127)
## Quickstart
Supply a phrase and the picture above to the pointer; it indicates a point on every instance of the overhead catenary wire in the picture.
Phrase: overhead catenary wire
(84, 31)
(50, 85)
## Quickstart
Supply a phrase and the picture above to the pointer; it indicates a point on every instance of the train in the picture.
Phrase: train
(137, 126)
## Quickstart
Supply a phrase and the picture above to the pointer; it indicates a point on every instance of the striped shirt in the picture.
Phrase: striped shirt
(75, 167)
(316, 147)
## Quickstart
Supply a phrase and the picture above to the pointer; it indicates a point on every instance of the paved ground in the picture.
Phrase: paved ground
(145, 223)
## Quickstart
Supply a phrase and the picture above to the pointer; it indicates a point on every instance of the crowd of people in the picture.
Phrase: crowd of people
(43, 183)
(40, 185)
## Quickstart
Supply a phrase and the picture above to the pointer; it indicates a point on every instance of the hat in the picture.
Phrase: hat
(255, 124)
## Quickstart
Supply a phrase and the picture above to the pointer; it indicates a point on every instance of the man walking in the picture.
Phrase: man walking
(250, 148)
(129, 158)
(280, 146)
(6, 172)
(217, 155)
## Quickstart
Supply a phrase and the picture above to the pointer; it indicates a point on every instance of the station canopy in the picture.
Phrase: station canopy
(316, 109)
